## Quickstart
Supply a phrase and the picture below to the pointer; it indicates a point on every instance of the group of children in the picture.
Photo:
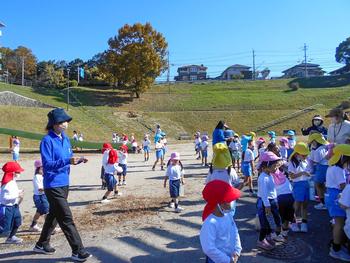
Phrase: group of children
(201, 147)
(287, 171)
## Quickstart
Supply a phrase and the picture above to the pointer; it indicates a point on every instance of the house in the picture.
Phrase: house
(236, 72)
(191, 73)
(311, 70)
(339, 71)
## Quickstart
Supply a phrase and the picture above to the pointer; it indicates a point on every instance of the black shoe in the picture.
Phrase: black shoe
(81, 257)
(48, 250)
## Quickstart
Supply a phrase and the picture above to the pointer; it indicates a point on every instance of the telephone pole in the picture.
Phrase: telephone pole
(68, 89)
(22, 58)
(253, 77)
(168, 71)
(305, 60)
(78, 74)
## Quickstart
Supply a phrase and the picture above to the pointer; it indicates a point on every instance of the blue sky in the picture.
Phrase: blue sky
(214, 33)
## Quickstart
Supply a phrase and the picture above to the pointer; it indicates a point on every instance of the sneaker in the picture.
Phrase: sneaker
(171, 205)
(48, 250)
(277, 238)
(81, 257)
(270, 240)
(14, 240)
(342, 255)
(35, 228)
(265, 245)
(153, 168)
(303, 228)
(124, 183)
(179, 209)
(294, 227)
(320, 206)
(105, 201)
(119, 184)
(162, 169)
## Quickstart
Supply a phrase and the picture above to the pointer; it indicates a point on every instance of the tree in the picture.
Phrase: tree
(136, 56)
(12, 61)
(342, 52)
(265, 73)
(50, 76)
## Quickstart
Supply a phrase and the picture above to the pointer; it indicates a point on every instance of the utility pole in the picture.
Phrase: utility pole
(168, 71)
(22, 71)
(305, 60)
(78, 75)
(68, 89)
(253, 77)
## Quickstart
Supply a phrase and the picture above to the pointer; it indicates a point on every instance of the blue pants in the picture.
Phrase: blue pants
(174, 187)
(110, 181)
(247, 169)
(264, 223)
(146, 149)
(159, 154)
(320, 173)
(331, 201)
(124, 167)
(301, 191)
(41, 204)
(10, 220)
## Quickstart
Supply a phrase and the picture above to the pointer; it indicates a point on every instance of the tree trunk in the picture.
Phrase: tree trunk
(137, 94)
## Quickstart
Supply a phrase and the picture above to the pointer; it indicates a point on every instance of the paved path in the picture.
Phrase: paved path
(163, 236)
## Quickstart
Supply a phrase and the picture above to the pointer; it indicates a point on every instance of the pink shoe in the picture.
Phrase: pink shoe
(265, 245)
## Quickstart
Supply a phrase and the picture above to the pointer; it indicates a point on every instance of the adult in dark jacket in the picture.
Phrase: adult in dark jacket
(57, 156)
(317, 126)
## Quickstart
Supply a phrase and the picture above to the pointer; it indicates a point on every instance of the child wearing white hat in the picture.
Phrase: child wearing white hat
(175, 173)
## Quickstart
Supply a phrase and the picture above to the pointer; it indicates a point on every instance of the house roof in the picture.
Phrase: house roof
(344, 69)
(198, 66)
(302, 65)
(239, 66)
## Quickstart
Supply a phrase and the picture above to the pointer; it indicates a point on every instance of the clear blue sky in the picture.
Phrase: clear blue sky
(214, 33)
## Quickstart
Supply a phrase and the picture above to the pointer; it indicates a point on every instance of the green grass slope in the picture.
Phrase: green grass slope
(178, 108)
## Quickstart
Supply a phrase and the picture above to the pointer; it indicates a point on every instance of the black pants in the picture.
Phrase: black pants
(60, 213)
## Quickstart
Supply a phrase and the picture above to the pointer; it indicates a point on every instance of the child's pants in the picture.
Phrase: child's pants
(10, 220)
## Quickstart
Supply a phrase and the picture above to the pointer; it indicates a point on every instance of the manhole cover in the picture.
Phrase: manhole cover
(292, 250)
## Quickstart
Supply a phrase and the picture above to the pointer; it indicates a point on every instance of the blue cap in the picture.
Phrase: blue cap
(56, 116)
(291, 133)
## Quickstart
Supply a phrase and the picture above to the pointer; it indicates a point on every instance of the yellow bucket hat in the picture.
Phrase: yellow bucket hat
(221, 156)
(318, 137)
(253, 134)
(338, 152)
(300, 148)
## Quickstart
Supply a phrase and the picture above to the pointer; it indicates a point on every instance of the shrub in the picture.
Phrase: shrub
(294, 86)
(73, 83)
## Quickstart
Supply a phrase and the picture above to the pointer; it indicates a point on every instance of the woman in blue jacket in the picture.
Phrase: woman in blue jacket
(57, 156)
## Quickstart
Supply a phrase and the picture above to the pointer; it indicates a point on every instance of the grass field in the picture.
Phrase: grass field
(177, 107)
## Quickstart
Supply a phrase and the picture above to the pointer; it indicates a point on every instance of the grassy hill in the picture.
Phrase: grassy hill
(177, 107)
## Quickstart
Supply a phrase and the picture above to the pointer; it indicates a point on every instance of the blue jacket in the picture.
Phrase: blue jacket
(55, 156)
(218, 136)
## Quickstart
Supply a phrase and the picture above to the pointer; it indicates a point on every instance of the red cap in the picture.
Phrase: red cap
(218, 192)
(124, 148)
(106, 146)
(10, 168)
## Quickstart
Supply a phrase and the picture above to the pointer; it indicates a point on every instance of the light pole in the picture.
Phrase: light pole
(1, 25)
(68, 89)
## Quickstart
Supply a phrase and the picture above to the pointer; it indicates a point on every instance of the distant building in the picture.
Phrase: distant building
(236, 72)
(339, 71)
(191, 73)
(298, 71)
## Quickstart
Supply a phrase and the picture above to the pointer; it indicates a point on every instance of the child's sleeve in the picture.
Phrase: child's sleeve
(207, 238)
(345, 197)
(263, 193)
(236, 240)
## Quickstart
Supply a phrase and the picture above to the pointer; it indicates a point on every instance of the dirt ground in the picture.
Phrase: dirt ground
(138, 226)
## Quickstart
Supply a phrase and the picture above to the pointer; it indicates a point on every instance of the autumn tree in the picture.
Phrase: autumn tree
(135, 58)
(12, 61)
(342, 53)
